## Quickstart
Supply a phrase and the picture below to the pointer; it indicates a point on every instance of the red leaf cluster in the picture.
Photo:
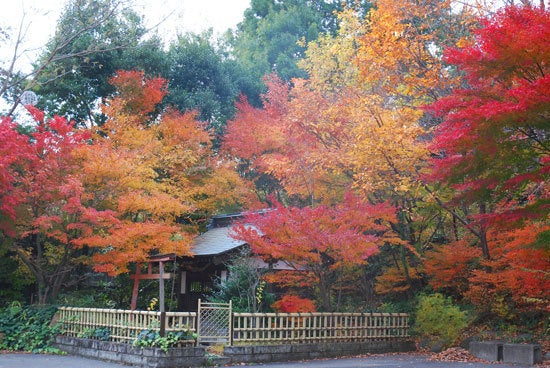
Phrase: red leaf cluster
(294, 304)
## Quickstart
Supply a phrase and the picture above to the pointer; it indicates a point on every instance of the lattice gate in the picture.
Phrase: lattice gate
(214, 323)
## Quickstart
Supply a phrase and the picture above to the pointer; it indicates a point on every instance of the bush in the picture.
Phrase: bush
(151, 338)
(244, 286)
(437, 317)
(100, 333)
(293, 304)
(27, 328)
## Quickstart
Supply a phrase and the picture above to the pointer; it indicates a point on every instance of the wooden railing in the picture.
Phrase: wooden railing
(120, 325)
(279, 328)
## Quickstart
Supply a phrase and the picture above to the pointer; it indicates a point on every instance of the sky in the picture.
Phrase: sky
(39, 18)
(181, 16)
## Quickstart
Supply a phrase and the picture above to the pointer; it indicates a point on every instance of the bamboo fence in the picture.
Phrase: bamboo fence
(123, 325)
(279, 328)
(244, 328)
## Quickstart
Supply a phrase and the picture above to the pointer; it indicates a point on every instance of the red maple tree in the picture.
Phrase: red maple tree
(320, 245)
(493, 151)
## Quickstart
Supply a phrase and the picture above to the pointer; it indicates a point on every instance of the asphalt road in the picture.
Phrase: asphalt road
(393, 361)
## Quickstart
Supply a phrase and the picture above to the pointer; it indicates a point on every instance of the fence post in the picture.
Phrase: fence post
(198, 327)
(230, 322)
(162, 331)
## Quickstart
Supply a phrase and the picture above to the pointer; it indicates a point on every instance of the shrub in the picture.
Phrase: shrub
(293, 304)
(244, 286)
(437, 317)
(100, 333)
(27, 328)
(152, 338)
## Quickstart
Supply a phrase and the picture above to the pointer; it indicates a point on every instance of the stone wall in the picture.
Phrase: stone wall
(127, 354)
(196, 357)
(497, 351)
(278, 353)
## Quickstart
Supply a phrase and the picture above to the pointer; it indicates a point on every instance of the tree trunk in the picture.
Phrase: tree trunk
(324, 294)
(483, 233)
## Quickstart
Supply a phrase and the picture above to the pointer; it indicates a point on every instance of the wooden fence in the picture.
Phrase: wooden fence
(246, 328)
(279, 328)
(122, 325)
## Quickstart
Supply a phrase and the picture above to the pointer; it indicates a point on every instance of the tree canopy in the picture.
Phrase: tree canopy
(401, 147)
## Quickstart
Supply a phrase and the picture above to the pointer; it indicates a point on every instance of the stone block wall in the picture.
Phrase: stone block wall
(278, 353)
(498, 351)
(196, 357)
(127, 354)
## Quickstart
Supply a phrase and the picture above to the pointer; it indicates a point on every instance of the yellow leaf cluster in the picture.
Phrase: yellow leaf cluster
(151, 173)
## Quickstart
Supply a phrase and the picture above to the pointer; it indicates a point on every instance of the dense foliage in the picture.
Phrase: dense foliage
(244, 285)
(27, 328)
(402, 147)
(493, 154)
(470, 197)
(437, 317)
(113, 193)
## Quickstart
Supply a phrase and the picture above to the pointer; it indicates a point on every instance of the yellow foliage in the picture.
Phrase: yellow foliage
(150, 174)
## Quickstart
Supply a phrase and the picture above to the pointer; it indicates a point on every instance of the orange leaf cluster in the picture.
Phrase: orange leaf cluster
(294, 304)
(517, 270)
(150, 173)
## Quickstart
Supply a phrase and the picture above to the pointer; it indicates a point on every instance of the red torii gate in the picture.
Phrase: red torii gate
(161, 276)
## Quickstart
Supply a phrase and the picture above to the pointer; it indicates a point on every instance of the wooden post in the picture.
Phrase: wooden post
(161, 300)
(230, 322)
(199, 321)
(135, 291)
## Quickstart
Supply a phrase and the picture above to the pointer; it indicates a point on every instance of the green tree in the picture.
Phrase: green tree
(202, 79)
(93, 39)
(274, 35)
(437, 317)
(244, 286)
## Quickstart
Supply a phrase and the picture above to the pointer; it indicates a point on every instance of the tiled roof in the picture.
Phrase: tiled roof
(215, 241)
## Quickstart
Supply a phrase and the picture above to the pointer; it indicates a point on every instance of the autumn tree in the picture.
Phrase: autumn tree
(15, 155)
(158, 177)
(348, 126)
(319, 244)
(44, 219)
(492, 151)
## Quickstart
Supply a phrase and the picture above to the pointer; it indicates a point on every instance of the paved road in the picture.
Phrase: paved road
(52, 361)
(394, 361)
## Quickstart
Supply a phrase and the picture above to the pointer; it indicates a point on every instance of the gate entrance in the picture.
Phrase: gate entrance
(214, 325)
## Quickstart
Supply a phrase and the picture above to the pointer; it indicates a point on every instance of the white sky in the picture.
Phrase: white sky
(40, 17)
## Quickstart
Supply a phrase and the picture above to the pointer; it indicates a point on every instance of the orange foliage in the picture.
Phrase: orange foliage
(396, 280)
(294, 304)
(451, 265)
(137, 95)
(150, 174)
(399, 54)
(257, 132)
(319, 243)
(517, 270)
